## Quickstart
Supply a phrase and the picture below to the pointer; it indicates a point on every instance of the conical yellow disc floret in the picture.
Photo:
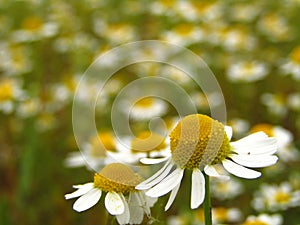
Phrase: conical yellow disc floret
(117, 177)
(198, 140)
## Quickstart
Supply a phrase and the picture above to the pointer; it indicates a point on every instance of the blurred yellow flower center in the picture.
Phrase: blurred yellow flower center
(255, 222)
(267, 128)
(32, 23)
(6, 91)
(117, 177)
(147, 141)
(295, 55)
(184, 29)
(145, 102)
(282, 197)
(198, 140)
(106, 143)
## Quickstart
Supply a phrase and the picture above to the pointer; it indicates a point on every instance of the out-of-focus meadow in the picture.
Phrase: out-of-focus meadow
(252, 47)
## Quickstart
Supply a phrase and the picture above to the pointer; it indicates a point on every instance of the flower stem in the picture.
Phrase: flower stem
(207, 203)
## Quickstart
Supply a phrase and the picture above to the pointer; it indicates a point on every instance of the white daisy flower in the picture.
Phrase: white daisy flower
(96, 153)
(292, 66)
(276, 197)
(264, 219)
(145, 146)
(10, 92)
(286, 151)
(247, 71)
(146, 108)
(122, 199)
(199, 143)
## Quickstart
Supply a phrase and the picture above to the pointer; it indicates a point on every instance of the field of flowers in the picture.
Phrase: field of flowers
(46, 46)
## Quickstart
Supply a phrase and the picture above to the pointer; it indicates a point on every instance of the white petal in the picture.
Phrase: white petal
(198, 189)
(156, 178)
(167, 184)
(88, 200)
(212, 172)
(262, 146)
(254, 161)
(125, 216)
(136, 208)
(114, 204)
(74, 159)
(82, 189)
(228, 131)
(172, 196)
(239, 171)
(151, 161)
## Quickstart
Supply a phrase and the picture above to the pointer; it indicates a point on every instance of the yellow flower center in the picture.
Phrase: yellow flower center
(267, 128)
(255, 222)
(198, 140)
(107, 143)
(145, 102)
(117, 177)
(282, 197)
(6, 91)
(295, 55)
(184, 29)
(32, 23)
(147, 141)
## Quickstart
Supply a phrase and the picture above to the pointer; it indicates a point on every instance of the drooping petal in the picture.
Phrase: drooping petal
(254, 161)
(125, 216)
(228, 131)
(239, 170)
(212, 172)
(156, 178)
(87, 200)
(172, 196)
(198, 189)
(82, 189)
(114, 203)
(150, 161)
(167, 184)
(136, 208)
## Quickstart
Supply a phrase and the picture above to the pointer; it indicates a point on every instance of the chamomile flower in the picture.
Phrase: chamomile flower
(292, 66)
(183, 34)
(147, 108)
(276, 197)
(286, 151)
(10, 91)
(95, 153)
(199, 143)
(142, 148)
(247, 71)
(34, 28)
(224, 190)
(122, 199)
(264, 219)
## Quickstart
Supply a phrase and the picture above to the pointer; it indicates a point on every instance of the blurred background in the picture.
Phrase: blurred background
(252, 47)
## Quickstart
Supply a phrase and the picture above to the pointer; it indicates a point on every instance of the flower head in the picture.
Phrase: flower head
(122, 199)
(200, 143)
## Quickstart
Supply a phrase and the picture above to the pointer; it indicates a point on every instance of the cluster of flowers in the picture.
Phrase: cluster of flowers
(252, 47)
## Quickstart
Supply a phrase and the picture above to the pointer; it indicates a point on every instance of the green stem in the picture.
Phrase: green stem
(207, 203)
